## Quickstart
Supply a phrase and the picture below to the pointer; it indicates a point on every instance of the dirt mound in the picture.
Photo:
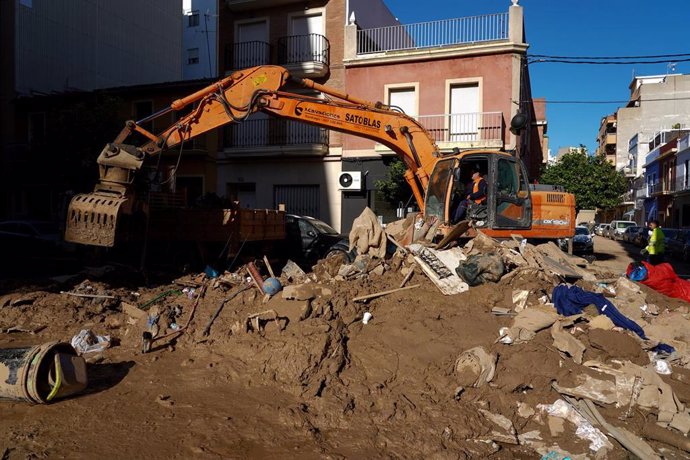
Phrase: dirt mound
(307, 378)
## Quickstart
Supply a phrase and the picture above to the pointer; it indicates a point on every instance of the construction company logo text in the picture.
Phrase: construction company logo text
(362, 121)
(299, 111)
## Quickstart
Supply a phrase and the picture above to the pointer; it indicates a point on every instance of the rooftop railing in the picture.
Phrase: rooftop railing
(445, 32)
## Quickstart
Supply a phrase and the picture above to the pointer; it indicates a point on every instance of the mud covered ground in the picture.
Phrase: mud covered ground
(315, 383)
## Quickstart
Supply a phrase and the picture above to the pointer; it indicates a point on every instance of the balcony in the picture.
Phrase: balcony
(642, 192)
(433, 34)
(304, 55)
(274, 136)
(247, 54)
(462, 130)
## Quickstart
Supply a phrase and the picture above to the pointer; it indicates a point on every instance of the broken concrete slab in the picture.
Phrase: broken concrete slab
(440, 266)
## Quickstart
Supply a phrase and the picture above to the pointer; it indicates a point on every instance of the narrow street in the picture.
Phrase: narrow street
(616, 255)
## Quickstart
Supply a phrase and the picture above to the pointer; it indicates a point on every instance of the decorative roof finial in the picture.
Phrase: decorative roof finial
(515, 2)
(352, 18)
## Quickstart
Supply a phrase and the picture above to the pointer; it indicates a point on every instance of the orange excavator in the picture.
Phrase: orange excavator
(438, 181)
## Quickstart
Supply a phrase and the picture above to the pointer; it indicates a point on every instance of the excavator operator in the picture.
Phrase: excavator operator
(477, 196)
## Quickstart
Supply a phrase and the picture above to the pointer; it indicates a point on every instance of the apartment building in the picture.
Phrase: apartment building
(51, 47)
(464, 86)
(199, 39)
(657, 103)
(607, 138)
(664, 181)
(464, 79)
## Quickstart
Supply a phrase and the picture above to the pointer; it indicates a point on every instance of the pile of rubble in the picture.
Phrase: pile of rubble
(434, 349)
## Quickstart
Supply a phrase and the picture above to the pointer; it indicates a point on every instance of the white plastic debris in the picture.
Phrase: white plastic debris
(88, 342)
(662, 367)
(585, 430)
(367, 317)
(504, 336)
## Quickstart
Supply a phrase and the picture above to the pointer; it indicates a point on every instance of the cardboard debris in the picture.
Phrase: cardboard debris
(305, 291)
(520, 299)
(567, 343)
(603, 391)
(506, 431)
(528, 322)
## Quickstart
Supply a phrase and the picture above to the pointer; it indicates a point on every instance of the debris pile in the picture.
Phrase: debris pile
(412, 349)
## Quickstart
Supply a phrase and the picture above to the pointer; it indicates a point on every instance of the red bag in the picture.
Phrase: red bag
(663, 278)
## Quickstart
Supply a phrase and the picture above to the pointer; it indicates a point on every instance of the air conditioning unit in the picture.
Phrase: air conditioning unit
(350, 181)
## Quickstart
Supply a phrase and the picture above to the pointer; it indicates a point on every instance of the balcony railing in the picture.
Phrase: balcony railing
(464, 127)
(446, 32)
(654, 188)
(247, 54)
(272, 132)
(297, 49)
(642, 192)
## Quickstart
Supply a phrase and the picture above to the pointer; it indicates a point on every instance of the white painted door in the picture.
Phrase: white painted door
(464, 112)
(405, 98)
(251, 47)
(306, 43)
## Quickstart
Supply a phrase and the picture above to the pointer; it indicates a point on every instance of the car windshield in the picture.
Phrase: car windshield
(322, 227)
(581, 231)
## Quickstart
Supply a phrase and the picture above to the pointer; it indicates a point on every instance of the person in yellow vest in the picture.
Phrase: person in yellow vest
(655, 249)
(477, 195)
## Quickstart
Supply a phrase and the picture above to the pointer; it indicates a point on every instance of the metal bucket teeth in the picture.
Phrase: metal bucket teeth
(92, 219)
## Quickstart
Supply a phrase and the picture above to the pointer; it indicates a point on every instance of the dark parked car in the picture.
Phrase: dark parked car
(630, 233)
(640, 237)
(310, 239)
(582, 242)
(677, 245)
(30, 239)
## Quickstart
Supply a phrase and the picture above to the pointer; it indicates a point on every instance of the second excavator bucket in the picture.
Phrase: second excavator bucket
(92, 219)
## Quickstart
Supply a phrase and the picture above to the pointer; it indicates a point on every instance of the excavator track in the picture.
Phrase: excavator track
(92, 219)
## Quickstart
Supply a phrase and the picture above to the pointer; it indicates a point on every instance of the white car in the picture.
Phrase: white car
(618, 227)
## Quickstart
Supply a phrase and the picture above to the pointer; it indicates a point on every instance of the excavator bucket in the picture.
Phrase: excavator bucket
(92, 219)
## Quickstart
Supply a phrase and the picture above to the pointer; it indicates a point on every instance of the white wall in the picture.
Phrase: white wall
(654, 113)
(204, 37)
(89, 44)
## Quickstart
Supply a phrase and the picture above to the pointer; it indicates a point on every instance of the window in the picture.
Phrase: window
(687, 171)
(404, 98)
(193, 56)
(193, 19)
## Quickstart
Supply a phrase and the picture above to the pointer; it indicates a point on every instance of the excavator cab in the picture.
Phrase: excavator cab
(508, 203)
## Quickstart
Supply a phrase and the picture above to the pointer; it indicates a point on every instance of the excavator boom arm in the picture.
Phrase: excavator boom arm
(92, 218)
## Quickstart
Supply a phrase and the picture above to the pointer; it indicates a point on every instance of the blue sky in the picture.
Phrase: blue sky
(579, 28)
